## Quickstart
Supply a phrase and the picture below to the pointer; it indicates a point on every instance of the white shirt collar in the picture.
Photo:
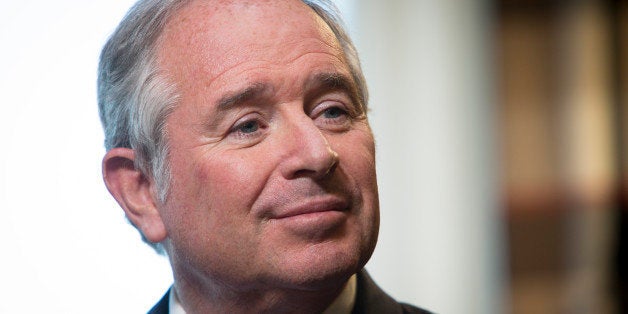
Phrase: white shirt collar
(174, 304)
(342, 305)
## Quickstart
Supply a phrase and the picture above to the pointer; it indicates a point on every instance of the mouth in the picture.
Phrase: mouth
(315, 218)
(311, 207)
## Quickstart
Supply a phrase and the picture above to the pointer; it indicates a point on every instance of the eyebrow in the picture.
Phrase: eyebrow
(326, 81)
(330, 81)
(253, 91)
(334, 81)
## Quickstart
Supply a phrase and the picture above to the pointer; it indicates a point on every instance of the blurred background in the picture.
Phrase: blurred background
(501, 137)
(562, 85)
(562, 81)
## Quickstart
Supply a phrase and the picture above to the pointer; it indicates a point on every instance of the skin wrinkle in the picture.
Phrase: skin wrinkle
(249, 93)
(254, 63)
(209, 42)
(219, 115)
(179, 26)
(239, 73)
(259, 94)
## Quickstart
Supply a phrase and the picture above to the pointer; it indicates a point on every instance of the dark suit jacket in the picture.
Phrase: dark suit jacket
(370, 299)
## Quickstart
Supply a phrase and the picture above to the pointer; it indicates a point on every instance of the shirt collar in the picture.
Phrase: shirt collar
(174, 304)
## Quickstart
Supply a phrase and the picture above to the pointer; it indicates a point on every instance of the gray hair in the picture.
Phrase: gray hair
(135, 99)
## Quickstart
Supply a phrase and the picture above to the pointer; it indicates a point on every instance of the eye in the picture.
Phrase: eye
(332, 116)
(334, 113)
(248, 126)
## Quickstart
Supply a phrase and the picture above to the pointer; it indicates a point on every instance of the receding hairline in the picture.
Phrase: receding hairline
(209, 8)
(178, 24)
(172, 65)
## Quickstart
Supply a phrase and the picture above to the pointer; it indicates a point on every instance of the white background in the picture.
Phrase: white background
(65, 246)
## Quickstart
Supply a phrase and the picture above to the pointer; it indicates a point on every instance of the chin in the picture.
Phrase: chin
(323, 265)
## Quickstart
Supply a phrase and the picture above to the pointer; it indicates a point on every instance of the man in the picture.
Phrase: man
(237, 142)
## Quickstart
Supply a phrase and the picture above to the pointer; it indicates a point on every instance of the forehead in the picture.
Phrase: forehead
(204, 39)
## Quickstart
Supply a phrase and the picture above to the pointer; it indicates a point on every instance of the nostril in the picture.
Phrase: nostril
(323, 169)
(302, 173)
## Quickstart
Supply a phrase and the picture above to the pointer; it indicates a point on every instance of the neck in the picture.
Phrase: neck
(216, 298)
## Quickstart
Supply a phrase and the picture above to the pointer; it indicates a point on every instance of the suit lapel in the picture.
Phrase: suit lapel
(163, 306)
(371, 299)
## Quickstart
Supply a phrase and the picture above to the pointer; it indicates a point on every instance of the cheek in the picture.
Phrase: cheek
(229, 176)
(357, 152)
(211, 201)
(222, 186)
(359, 164)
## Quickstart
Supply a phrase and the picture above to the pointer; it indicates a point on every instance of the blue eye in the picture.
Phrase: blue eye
(248, 127)
(333, 113)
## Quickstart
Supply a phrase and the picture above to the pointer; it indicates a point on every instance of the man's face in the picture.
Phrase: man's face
(272, 159)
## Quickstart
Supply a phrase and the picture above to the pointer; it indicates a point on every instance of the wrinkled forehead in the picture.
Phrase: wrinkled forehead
(209, 37)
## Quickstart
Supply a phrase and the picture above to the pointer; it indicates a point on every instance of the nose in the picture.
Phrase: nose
(307, 151)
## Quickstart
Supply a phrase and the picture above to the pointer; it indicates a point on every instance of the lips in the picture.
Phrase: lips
(309, 206)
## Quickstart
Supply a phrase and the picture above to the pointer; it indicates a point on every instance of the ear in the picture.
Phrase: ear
(133, 191)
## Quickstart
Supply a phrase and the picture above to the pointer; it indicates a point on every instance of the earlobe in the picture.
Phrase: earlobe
(132, 190)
